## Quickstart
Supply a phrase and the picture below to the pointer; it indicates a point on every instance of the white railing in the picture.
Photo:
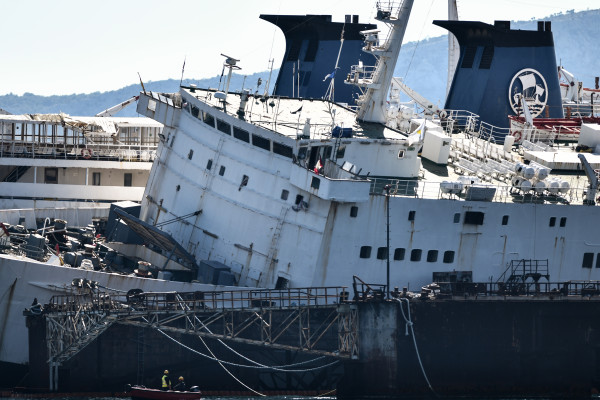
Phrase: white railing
(504, 193)
(106, 152)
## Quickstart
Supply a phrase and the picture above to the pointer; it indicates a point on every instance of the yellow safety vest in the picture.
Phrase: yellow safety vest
(165, 381)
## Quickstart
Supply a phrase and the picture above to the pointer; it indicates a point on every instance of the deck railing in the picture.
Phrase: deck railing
(104, 152)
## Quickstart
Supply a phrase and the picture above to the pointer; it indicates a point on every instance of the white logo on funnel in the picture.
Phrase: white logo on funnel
(530, 84)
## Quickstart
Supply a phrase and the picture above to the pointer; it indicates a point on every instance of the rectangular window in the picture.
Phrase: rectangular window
(365, 252)
(222, 170)
(552, 221)
(588, 260)
(208, 119)
(340, 152)
(411, 215)
(563, 222)
(448, 257)
(456, 218)
(505, 220)
(51, 175)
(315, 183)
(432, 256)
(241, 134)
(209, 164)
(415, 254)
(382, 253)
(284, 194)
(195, 111)
(127, 178)
(190, 154)
(282, 150)
(474, 217)
(223, 126)
(598, 260)
(353, 211)
(261, 142)
(399, 254)
(96, 178)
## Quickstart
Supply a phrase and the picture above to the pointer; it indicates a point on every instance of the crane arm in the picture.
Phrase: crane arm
(109, 112)
(429, 107)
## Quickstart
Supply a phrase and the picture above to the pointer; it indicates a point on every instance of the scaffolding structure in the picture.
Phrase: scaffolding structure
(292, 319)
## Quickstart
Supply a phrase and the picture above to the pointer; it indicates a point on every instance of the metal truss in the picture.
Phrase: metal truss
(309, 320)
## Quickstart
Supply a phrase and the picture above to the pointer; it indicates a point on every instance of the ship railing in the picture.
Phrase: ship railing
(504, 192)
(464, 121)
(361, 74)
(83, 302)
(491, 133)
(518, 289)
(291, 298)
(105, 152)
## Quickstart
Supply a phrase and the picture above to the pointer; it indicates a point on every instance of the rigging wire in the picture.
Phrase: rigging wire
(219, 361)
(425, 21)
(274, 367)
(233, 364)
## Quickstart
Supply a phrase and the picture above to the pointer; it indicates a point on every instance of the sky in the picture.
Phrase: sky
(64, 47)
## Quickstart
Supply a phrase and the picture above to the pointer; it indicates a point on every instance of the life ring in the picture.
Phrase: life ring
(517, 135)
(86, 153)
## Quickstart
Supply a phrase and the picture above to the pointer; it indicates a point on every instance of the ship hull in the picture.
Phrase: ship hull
(23, 280)
(478, 348)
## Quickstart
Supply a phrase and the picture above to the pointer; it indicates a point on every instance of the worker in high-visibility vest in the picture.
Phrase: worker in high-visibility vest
(166, 381)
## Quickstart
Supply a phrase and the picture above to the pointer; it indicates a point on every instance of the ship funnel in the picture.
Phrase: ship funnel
(497, 65)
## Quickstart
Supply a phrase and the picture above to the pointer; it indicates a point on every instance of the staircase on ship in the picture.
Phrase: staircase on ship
(521, 274)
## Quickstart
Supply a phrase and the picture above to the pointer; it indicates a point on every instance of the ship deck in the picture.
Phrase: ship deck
(288, 116)
(475, 159)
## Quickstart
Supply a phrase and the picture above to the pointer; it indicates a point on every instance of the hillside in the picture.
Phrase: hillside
(423, 65)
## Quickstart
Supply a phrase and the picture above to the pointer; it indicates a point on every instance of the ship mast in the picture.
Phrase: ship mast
(374, 82)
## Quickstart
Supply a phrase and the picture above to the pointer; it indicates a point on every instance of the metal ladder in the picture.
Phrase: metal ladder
(272, 256)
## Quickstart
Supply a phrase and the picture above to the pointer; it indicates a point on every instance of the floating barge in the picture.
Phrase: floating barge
(452, 339)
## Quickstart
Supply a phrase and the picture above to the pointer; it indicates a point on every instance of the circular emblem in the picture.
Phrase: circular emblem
(530, 85)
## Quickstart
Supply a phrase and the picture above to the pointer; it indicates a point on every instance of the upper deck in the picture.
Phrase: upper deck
(292, 117)
(475, 164)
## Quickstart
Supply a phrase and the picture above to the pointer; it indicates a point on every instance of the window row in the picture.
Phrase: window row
(51, 177)
(470, 217)
(240, 134)
(415, 254)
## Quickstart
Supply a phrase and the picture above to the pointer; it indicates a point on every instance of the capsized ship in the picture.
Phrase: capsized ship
(295, 192)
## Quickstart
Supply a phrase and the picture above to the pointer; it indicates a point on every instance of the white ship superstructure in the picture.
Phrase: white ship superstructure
(271, 213)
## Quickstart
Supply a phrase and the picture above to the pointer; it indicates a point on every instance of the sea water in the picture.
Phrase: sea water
(20, 397)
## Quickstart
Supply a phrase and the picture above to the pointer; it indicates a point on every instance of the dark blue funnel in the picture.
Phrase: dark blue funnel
(498, 65)
(312, 43)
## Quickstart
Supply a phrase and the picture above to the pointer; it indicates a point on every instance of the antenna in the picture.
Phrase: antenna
(269, 80)
(182, 69)
(230, 63)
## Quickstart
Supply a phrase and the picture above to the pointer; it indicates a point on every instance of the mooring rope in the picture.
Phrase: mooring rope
(274, 367)
(259, 366)
(409, 324)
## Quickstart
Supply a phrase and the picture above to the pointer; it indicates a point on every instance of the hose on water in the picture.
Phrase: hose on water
(409, 324)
